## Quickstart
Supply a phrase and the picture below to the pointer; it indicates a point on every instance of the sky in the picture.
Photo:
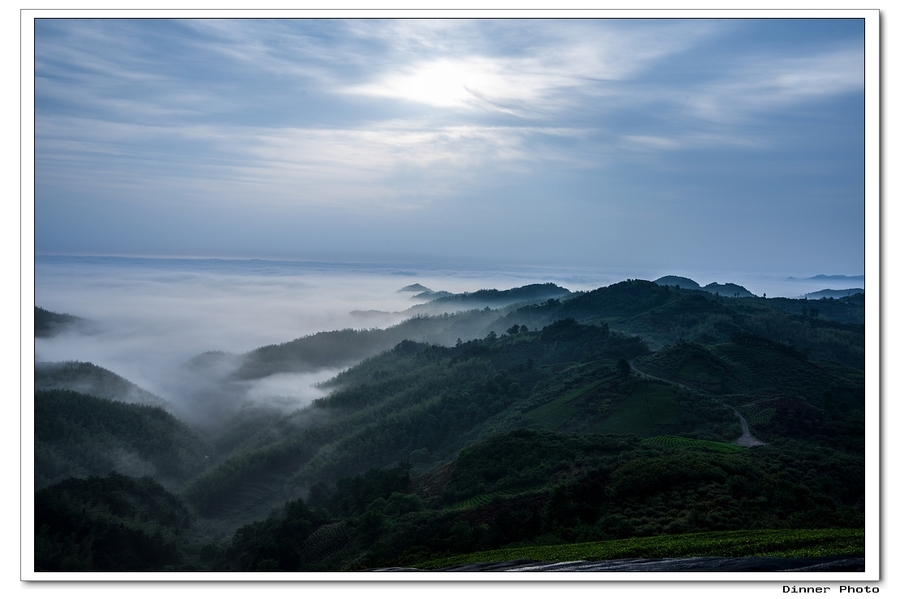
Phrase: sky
(678, 145)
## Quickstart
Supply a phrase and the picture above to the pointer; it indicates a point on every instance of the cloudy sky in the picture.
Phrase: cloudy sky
(731, 145)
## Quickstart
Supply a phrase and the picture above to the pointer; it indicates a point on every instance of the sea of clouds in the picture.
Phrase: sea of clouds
(148, 317)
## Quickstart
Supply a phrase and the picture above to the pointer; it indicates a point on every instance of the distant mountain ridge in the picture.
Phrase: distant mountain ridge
(676, 281)
(490, 298)
(414, 288)
(726, 289)
(833, 293)
(422, 292)
(836, 278)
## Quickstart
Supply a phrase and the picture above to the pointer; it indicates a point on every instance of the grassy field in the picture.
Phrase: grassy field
(744, 543)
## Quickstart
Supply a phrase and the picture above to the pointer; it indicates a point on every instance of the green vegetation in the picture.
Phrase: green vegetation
(556, 413)
(77, 435)
(739, 543)
(675, 441)
(492, 298)
(341, 348)
(115, 523)
(530, 488)
(650, 408)
(664, 315)
(89, 379)
(549, 429)
(416, 397)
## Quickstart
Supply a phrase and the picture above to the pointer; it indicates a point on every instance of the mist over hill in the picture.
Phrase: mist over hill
(833, 293)
(91, 380)
(357, 448)
(48, 324)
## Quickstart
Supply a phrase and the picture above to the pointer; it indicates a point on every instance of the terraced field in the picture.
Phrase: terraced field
(757, 412)
(676, 441)
(479, 501)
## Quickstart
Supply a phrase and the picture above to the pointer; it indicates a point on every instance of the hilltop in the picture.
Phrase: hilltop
(48, 324)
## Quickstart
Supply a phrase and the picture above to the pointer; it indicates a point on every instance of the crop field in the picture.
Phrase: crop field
(651, 409)
(675, 441)
(756, 412)
(742, 543)
(478, 501)
(760, 416)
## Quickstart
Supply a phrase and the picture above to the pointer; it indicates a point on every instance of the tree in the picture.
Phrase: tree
(623, 367)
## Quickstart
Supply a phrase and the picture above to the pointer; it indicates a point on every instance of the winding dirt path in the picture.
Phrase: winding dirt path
(745, 440)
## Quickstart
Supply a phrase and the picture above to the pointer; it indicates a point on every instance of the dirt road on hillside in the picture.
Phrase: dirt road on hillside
(745, 440)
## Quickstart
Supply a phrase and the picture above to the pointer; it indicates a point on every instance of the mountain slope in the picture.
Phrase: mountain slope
(48, 324)
(90, 379)
(78, 435)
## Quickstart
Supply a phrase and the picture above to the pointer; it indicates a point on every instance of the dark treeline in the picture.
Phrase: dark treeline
(112, 523)
(824, 329)
(47, 323)
(491, 298)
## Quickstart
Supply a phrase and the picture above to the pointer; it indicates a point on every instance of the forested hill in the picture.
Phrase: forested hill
(90, 379)
(661, 315)
(47, 323)
(335, 349)
(425, 400)
(441, 321)
(826, 329)
(491, 298)
(78, 435)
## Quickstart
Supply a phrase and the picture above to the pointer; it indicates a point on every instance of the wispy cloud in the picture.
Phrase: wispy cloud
(770, 83)
(557, 65)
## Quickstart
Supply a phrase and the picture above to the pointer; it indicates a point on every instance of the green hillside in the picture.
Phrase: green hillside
(90, 379)
(829, 330)
(77, 435)
(525, 489)
(114, 523)
(420, 398)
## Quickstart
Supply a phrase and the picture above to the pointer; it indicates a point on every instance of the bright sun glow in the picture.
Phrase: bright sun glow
(444, 83)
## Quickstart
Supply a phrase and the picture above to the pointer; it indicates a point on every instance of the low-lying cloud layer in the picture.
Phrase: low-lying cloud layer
(150, 319)
(178, 328)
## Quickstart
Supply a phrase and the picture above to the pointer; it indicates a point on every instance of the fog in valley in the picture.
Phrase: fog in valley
(179, 328)
(153, 321)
